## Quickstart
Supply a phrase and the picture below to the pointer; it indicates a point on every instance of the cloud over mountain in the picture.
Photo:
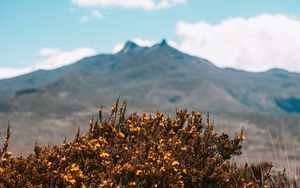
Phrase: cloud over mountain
(51, 58)
(54, 58)
(11, 72)
(255, 44)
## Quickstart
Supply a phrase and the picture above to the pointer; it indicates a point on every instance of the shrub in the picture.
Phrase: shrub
(138, 151)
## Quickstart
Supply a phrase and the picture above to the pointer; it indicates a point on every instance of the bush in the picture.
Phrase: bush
(138, 151)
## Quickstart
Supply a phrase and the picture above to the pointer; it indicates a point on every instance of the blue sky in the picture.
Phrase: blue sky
(35, 31)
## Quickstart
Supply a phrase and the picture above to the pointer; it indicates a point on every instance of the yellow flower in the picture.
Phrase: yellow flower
(63, 159)
(103, 140)
(175, 163)
(66, 177)
(136, 129)
(74, 167)
(9, 153)
(1, 170)
(80, 174)
(104, 154)
(183, 148)
(96, 146)
(127, 165)
(49, 164)
(132, 183)
(72, 181)
(121, 135)
(138, 172)
(184, 171)
(181, 183)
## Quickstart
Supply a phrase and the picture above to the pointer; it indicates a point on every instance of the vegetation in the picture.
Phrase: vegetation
(138, 151)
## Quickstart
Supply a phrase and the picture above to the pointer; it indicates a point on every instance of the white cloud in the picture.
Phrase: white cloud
(118, 47)
(54, 58)
(143, 42)
(255, 44)
(141, 4)
(94, 15)
(173, 44)
(51, 58)
(12, 72)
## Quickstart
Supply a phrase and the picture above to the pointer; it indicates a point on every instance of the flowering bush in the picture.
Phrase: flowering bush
(138, 151)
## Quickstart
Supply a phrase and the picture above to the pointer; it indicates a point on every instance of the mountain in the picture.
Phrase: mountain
(158, 75)
(150, 78)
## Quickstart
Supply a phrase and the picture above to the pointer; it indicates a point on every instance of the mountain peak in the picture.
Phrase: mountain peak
(129, 46)
(132, 46)
(164, 43)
